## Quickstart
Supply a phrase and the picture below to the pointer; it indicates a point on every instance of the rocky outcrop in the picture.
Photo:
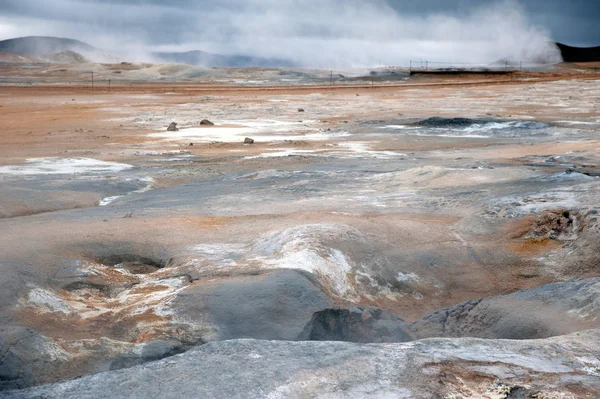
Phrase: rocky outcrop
(441, 368)
(546, 311)
(556, 224)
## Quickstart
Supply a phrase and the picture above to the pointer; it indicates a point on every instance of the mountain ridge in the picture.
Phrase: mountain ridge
(43, 45)
(579, 54)
(47, 45)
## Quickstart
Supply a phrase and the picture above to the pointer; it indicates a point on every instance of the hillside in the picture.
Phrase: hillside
(579, 54)
(43, 45)
(75, 51)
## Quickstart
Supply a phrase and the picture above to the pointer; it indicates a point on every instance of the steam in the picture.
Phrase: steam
(312, 33)
(358, 33)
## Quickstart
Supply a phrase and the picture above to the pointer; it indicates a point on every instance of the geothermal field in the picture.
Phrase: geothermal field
(298, 233)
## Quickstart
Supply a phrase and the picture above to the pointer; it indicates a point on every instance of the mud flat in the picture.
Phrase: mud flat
(427, 239)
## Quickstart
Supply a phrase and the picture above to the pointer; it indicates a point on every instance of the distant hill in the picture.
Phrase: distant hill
(579, 54)
(56, 49)
(44, 45)
(203, 58)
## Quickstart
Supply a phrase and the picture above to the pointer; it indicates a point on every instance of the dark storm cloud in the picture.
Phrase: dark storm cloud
(314, 32)
(572, 21)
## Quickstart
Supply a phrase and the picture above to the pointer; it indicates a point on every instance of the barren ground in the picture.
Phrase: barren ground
(115, 233)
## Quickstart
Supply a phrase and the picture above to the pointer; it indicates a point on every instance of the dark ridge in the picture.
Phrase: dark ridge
(42, 45)
(579, 54)
(454, 72)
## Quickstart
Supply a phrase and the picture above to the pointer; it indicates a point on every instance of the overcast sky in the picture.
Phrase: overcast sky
(323, 32)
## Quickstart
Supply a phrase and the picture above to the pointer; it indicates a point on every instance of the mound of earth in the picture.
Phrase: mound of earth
(66, 57)
(543, 312)
(546, 311)
(16, 58)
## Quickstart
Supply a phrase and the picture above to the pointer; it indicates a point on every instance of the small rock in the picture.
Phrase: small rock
(248, 140)
(191, 144)
(300, 109)
(206, 122)
(172, 127)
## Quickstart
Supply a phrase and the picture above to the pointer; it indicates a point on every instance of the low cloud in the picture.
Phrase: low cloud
(334, 33)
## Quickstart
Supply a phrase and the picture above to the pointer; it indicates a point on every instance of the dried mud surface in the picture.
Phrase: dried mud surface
(122, 243)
